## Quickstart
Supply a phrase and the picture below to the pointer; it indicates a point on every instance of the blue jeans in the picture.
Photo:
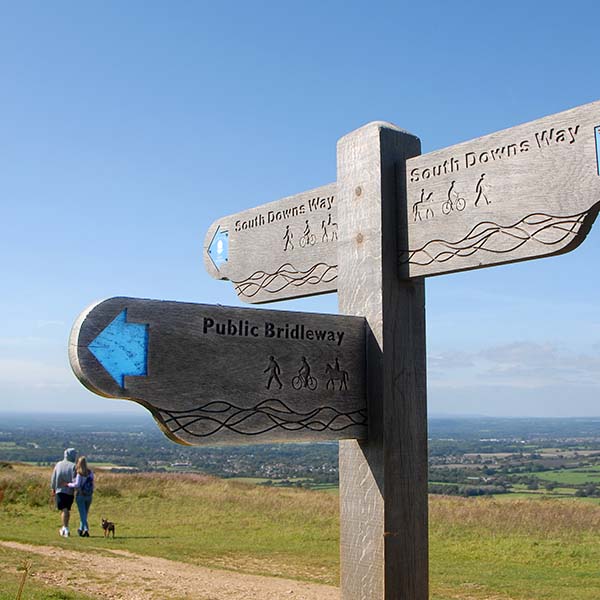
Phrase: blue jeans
(83, 504)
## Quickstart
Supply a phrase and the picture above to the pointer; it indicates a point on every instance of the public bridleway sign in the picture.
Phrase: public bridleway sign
(217, 374)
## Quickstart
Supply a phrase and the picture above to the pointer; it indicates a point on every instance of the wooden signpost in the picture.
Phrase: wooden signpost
(214, 374)
(383, 481)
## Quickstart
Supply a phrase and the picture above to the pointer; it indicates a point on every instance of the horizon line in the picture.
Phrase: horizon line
(146, 415)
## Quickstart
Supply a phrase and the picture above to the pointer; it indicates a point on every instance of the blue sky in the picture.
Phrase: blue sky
(126, 128)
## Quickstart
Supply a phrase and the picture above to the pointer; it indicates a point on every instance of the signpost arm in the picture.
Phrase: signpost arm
(383, 481)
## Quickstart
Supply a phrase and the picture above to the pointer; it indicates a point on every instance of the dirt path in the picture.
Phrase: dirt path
(121, 575)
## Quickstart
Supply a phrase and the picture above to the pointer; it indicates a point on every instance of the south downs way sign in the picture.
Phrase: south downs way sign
(280, 250)
(211, 374)
(526, 192)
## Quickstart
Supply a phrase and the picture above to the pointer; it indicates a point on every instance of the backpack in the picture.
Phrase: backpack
(87, 487)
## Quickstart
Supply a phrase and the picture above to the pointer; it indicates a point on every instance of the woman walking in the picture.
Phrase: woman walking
(84, 485)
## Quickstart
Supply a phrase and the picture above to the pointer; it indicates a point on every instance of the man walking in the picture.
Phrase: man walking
(63, 474)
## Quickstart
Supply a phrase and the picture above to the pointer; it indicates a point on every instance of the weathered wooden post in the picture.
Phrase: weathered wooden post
(383, 480)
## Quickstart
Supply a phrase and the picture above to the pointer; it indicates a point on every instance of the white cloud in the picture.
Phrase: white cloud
(23, 341)
(33, 374)
(449, 360)
(43, 323)
(520, 365)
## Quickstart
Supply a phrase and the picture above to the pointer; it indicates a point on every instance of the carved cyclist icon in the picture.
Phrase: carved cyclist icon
(304, 379)
(308, 238)
(455, 201)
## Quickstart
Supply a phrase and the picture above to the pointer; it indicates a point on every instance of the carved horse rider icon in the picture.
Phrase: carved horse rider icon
(336, 374)
(329, 227)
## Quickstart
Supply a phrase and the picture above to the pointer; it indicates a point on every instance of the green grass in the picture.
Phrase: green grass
(480, 548)
(533, 550)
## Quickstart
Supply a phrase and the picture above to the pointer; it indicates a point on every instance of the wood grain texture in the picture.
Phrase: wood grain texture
(217, 374)
(522, 193)
(383, 481)
(281, 250)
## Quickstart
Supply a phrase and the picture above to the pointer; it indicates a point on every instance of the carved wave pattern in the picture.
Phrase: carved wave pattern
(285, 276)
(215, 416)
(548, 230)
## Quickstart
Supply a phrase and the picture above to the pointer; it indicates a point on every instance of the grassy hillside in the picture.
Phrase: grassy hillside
(521, 549)
(479, 548)
(191, 518)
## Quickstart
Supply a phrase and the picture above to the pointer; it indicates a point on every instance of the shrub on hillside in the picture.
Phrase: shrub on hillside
(108, 491)
(150, 493)
(24, 490)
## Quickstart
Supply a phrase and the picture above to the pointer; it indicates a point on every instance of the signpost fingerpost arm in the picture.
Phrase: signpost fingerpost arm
(383, 481)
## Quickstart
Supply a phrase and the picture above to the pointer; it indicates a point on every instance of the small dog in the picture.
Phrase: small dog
(108, 526)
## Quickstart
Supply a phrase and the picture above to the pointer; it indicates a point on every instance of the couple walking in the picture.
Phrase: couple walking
(69, 478)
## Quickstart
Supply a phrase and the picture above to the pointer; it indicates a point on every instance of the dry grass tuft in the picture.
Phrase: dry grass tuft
(220, 492)
(23, 489)
(26, 568)
(544, 517)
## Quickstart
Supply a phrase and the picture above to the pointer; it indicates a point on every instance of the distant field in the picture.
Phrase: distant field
(326, 487)
(572, 476)
(11, 445)
(248, 480)
(480, 548)
(321, 487)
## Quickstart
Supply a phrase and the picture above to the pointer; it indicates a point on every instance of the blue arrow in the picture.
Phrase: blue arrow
(218, 249)
(598, 148)
(122, 348)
